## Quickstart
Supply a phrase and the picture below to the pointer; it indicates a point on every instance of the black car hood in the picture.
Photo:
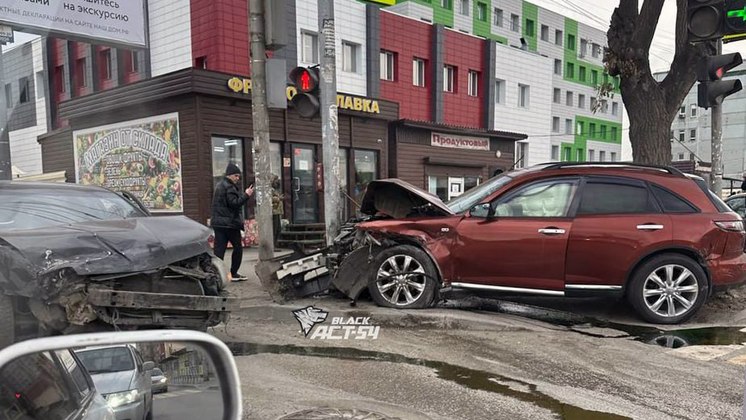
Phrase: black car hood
(398, 198)
(100, 247)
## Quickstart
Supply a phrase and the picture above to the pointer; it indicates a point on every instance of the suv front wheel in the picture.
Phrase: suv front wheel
(405, 278)
(668, 289)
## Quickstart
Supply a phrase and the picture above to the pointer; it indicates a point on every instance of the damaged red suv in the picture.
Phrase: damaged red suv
(652, 234)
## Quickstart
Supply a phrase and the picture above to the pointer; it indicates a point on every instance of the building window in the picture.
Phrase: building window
(602, 156)
(592, 129)
(580, 128)
(514, 22)
(613, 156)
(568, 98)
(613, 134)
(567, 154)
(529, 30)
(524, 94)
(568, 126)
(693, 134)
(571, 42)
(558, 67)
(558, 37)
(681, 156)
(463, 7)
(544, 33)
(80, 73)
(350, 56)
(682, 136)
(583, 47)
(39, 84)
(105, 66)
(449, 79)
(134, 62)
(591, 155)
(594, 103)
(521, 155)
(556, 97)
(9, 95)
(499, 91)
(387, 65)
(556, 124)
(446, 4)
(581, 73)
(24, 90)
(614, 108)
(497, 18)
(473, 83)
(201, 62)
(482, 11)
(555, 152)
(225, 150)
(418, 72)
(594, 77)
(692, 110)
(580, 155)
(570, 70)
(603, 132)
(581, 101)
(309, 43)
(595, 50)
(59, 79)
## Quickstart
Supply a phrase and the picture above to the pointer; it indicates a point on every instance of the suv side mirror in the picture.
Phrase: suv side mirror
(148, 366)
(483, 210)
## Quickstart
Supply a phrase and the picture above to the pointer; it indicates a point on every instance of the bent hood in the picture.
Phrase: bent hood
(100, 247)
(397, 198)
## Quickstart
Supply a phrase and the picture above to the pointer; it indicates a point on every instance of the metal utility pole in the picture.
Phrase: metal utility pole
(329, 126)
(716, 113)
(6, 169)
(260, 114)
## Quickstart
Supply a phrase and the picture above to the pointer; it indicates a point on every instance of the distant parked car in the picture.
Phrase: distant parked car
(122, 378)
(159, 381)
(737, 202)
(650, 233)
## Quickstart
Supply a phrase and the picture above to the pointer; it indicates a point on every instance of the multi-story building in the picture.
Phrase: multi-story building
(691, 129)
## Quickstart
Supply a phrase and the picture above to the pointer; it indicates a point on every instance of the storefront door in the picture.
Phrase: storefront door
(455, 187)
(305, 198)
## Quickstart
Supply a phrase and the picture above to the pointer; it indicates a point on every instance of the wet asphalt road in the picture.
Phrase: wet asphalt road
(187, 403)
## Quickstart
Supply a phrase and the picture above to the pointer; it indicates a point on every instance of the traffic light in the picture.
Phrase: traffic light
(712, 19)
(306, 82)
(710, 71)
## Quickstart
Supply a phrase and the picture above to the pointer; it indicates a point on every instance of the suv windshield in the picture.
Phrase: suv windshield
(34, 208)
(115, 359)
(475, 195)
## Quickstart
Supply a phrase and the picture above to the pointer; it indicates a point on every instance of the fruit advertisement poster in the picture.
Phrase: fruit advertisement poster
(140, 156)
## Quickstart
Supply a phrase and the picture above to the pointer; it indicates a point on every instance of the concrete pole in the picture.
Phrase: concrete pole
(329, 126)
(716, 181)
(6, 169)
(260, 115)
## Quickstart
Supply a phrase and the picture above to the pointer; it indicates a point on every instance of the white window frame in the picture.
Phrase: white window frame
(544, 35)
(515, 22)
(418, 72)
(555, 152)
(693, 110)
(482, 11)
(557, 96)
(497, 18)
(555, 124)
(312, 49)
(558, 67)
(613, 156)
(591, 155)
(615, 108)
(500, 91)
(569, 98)
(682, 136)
(602, 156)
(692, 134)
(581, 101)
(558, 37)
(449, 78)
(524, 96)
(473, 82)
(568, 125)
(387, 66)
(350, 57)
(463, 7)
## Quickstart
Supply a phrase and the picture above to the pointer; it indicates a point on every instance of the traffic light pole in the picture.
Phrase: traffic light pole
(329, 127)
(261, 144)
(716, 114)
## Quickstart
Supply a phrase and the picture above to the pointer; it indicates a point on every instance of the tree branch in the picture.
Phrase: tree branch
(647, 22)
(681, 29)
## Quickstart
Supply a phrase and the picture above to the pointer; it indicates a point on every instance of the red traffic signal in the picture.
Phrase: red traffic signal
(305, 79)
(711, 69)
(714, 67)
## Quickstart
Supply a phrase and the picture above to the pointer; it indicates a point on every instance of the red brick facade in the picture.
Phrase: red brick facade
(220, 35)
(464, 52)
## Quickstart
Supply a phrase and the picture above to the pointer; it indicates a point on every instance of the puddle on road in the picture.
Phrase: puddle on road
(708, 336)
(470, 378)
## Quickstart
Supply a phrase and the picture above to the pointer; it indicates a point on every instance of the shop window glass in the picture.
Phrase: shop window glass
(438, 185)
(225, 150)
(366, 170)
(343, 169)
(275, 161)
(471, 182)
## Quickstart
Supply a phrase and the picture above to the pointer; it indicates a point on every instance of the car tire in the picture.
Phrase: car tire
(8, 324)
(668, 289)
(412, 290)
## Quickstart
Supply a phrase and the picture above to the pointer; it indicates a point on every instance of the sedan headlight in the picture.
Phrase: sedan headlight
(119, 399)
(163, 380)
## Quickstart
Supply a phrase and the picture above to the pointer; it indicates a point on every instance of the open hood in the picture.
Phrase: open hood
(397, 198)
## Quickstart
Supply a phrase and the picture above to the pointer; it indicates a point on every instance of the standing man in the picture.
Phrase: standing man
(277, 207)
(227, 217)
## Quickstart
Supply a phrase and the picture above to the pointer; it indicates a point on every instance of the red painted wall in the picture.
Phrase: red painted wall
(465, 53)
(220, 33)
(409, 39)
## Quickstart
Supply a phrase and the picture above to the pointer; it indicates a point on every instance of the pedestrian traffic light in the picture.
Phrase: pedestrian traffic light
(306, 82)
(712, 19)
(710, 71)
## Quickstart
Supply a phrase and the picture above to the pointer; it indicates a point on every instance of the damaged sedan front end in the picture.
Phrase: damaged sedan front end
(76, 258)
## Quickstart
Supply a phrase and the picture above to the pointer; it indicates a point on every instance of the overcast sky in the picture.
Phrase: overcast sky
(598, 14)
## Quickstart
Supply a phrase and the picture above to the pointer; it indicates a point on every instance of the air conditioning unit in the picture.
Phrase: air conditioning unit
(682, 115)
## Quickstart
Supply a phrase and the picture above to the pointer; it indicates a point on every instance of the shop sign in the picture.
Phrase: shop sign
(352, 103)
(140, 156)
(117, 21)
(459, 142)
(6, 34)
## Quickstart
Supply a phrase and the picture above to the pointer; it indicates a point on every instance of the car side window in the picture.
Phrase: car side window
(738, 205)
(542, 199)
(615, 198)
(671, 202)
(78, 375)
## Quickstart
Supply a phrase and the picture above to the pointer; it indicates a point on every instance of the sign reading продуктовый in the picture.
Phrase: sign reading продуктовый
(106, 21)
(140, 156)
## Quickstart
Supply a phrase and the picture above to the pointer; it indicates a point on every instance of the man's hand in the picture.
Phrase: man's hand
(250, 191)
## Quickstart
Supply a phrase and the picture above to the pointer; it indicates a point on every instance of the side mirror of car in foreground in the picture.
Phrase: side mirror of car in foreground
(103, 376)
(483, 210)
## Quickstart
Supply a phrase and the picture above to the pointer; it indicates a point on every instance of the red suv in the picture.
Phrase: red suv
(653, 234)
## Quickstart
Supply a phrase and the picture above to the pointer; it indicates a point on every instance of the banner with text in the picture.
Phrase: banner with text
(118, 21)
(455, 141)
(139, 156)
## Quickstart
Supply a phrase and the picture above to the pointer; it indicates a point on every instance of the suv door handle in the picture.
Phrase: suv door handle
(552, 231)
(649, 226)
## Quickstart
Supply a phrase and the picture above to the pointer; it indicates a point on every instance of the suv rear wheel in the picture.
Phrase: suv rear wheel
(668, 289)
(405, 278)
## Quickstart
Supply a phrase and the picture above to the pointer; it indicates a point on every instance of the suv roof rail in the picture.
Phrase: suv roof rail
(670, 169)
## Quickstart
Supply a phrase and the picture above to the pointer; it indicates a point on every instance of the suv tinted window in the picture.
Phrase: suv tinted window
(612, 198)
(543, 199)
(672, 203)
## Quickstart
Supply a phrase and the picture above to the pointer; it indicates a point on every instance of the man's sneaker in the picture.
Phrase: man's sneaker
(238, 277)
